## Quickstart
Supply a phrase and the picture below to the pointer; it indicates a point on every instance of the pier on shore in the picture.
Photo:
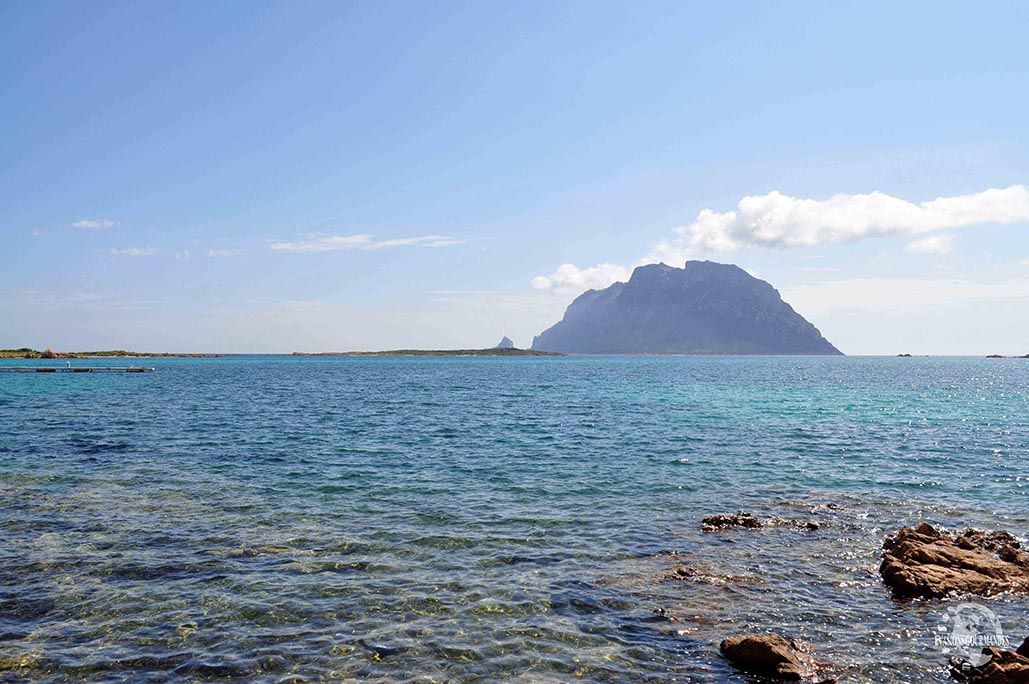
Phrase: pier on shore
(76, 369)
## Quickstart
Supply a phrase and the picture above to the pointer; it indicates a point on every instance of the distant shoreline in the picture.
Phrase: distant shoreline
(28, 353)
(498, 351)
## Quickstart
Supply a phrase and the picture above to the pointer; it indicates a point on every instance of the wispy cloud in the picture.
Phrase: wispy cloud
(222, 253)
(94, 224)
(13, 299)
(936, 244)
(779, 221)
(362, 241)
(902, 293)
(130, 251)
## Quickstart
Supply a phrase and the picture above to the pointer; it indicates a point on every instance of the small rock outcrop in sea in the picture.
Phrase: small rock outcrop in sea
(702, 308)
(922, 562)
(1003, 667)
(903, 356)
(722, 522)
(505, 343)
(688, 573)
(995, 356)
(748, 520)
(771, 656)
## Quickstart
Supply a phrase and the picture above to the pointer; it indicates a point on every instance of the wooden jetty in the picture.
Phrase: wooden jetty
(76, 369)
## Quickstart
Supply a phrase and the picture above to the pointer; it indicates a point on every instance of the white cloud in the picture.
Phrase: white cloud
(779, 221)
(184, 254)
(130, 251)
(936, 244)
(569, 277)
(95, 224)
(363, 241)
(222, 253)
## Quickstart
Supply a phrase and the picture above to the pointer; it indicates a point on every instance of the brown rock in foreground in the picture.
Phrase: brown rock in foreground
(922, 562)
(1003, 667)
(770, 656)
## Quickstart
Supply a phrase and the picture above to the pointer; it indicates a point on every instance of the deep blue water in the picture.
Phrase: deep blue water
(280, 519)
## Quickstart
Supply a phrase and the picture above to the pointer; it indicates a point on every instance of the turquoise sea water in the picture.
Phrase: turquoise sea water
(278, 519)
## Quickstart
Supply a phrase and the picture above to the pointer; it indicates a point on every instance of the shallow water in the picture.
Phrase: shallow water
(278, 519)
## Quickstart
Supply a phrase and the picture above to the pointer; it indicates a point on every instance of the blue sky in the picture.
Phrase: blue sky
(314, 176)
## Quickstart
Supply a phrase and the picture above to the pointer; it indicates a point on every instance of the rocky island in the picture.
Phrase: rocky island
(702, 308)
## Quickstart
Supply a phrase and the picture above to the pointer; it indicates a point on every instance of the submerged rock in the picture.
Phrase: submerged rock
(1003, 667)
(922, 562)
(748, 520)
(691, 573)
(771, 656)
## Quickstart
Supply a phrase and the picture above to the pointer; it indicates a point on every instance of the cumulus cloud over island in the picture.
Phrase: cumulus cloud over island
(779, 221)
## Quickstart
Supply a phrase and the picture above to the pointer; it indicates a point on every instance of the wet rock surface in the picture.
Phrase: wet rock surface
(771, 656)
(922, 562)
(691, 573)
(750, 521)
(1003, 667)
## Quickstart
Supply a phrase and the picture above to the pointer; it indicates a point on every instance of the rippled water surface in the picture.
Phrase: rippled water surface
(274, 519)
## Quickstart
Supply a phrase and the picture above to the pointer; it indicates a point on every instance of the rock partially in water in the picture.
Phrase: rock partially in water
(690, 573)
(771, 656)
(722, 522)
(922, 562)
(1003, 667)
(750, 521)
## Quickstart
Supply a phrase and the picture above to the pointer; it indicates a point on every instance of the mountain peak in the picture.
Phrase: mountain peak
(704, 307)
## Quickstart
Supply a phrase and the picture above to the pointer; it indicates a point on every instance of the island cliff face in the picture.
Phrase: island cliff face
(703, 308)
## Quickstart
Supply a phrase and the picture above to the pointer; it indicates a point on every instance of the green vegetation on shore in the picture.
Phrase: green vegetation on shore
(494, 351)
(28, 353)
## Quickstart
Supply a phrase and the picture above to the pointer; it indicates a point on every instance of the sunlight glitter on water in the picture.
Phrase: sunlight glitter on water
(486, 520)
